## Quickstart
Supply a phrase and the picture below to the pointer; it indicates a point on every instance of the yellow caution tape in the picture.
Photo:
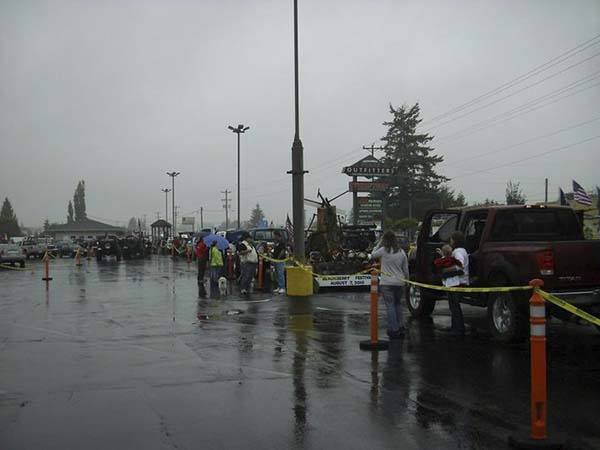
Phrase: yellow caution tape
(6, 266)
(568, 307)
(470, 289)
(268, 258)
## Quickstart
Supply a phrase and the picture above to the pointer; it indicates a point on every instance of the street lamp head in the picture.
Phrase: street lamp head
(173, 174)
(246, 128)
(231, 128)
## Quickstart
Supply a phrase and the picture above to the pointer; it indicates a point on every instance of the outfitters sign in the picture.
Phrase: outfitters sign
(368, 167)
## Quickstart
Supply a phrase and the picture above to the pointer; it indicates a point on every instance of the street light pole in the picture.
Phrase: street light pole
(297, 159)
(166, 191)
(238, 130)
(173, 175)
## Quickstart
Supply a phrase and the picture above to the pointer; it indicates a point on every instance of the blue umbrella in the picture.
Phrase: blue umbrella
(222, 243)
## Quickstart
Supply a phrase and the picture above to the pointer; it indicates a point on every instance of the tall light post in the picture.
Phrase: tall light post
(173, 175)
(297, 160)
(166, 191)
(238, 130)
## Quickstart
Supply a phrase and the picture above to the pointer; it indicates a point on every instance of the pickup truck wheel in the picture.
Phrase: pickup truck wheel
(507, 320)
(420, 303)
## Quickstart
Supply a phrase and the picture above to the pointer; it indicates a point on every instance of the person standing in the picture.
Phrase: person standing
(248, 261)
(215, 262)
(202, 258)
(279, 252)
(394, 270)
(457, 242)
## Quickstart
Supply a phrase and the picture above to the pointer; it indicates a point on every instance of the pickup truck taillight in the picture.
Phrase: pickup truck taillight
(546, 262)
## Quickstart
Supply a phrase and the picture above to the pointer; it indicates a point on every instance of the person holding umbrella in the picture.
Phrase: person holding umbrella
(215, 262)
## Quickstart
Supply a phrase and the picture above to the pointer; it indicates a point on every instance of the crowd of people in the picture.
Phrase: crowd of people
(242, 266)
(453, 265)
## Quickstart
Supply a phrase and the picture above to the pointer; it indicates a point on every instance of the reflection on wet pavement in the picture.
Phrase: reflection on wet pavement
(125, 355)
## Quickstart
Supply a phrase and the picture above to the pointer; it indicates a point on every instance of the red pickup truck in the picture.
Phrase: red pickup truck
(509, 246)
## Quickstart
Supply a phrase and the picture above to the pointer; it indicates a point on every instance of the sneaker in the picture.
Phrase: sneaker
(281, 291)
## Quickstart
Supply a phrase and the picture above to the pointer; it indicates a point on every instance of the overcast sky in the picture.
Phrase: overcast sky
(118, 92)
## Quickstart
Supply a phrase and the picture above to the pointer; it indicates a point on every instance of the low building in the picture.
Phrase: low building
(85, 229)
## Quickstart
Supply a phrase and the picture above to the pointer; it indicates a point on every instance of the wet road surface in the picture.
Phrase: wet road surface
(125, 355)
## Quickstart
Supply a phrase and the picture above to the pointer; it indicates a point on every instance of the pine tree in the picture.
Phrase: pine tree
(256, 216)
(514, 194)
(412, 159)
(132, 225)
(70, 218)
(79, 202)
(8, 220)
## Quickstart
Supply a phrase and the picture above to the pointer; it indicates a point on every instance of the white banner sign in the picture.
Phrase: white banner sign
(187, 220)
(343, 280)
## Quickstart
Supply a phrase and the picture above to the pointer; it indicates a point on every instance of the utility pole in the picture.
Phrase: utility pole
(372, 149)
(173, 175)
(546, 192)
(175, 214)
(157, 215)
(201, 217)
(166, 191)
(226, 206)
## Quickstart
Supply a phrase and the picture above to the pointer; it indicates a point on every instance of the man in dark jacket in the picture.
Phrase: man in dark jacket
(202, 257)
(279, 252)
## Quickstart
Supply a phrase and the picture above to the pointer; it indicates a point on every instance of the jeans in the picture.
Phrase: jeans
(458, 323)
(392, 296)
(280, 272)
(201, 273)
(215, 274)
(248, 272)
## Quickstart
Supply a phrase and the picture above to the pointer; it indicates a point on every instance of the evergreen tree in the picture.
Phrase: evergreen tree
(514, 194)
(46, 226)
(132, 225)
(70, 218)
(79, 202)
(412, 159)
(8, 220)
(256, 216)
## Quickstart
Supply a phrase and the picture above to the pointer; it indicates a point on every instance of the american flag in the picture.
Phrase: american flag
(580, 195)
(290, 229)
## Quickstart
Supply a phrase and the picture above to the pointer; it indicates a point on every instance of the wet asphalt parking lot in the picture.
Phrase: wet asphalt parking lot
(125, 356)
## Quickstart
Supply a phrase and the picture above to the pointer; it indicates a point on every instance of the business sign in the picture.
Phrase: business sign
(343, 280)
(368, 167)
(370, 204)
(368, 186)
(187, 221)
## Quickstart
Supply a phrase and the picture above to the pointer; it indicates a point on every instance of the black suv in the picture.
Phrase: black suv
(108, 246)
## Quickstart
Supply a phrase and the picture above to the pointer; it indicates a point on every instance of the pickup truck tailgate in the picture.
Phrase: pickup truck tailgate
(577, 263)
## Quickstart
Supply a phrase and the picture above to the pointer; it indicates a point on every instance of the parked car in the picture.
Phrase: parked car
(11, 253)
(265, 235)
(31, 248)
(108, 246)
(509, 246)
(65, 249)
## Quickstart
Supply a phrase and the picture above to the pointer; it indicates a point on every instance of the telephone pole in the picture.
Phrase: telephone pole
(201, 217)
(372, 149)
(226, 206)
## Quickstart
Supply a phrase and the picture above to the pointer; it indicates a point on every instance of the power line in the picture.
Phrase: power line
(511, 114)
(527, 158)
(514, 93)
(533, 72)
(528, 141)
